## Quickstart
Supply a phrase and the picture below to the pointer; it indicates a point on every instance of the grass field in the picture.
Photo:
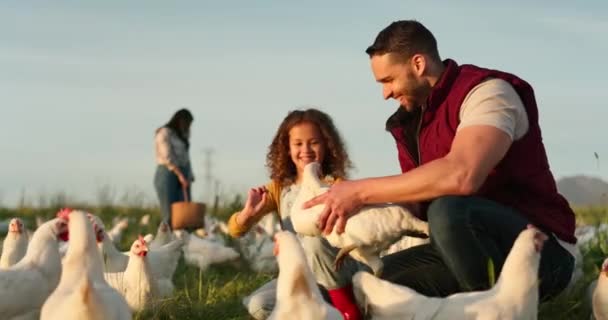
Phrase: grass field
(217, 292)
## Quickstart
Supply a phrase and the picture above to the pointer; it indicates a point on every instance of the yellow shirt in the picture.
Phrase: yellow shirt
(273, 204)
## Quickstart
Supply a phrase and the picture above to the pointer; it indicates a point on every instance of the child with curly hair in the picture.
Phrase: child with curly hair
(303, 137)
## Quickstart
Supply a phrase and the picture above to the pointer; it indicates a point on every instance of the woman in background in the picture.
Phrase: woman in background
(173, 171)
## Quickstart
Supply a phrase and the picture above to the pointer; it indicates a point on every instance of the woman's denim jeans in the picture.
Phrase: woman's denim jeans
(169, 190)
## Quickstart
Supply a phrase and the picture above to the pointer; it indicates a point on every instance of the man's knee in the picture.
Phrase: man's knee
(446, 213)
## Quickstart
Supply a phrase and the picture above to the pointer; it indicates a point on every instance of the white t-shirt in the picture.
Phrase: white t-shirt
(171, 151)
(495, 103)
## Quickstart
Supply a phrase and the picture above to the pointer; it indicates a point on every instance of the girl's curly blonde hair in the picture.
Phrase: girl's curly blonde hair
(278, 160)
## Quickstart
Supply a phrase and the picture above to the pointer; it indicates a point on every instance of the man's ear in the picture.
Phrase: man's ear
(418, 63)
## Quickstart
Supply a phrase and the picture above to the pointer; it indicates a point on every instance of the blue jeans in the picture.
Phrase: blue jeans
(169, 190)
(466, 232)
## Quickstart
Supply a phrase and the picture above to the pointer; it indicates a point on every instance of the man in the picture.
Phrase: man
(472, 157)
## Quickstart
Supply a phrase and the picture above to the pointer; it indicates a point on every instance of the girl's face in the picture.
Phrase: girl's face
(306, 145)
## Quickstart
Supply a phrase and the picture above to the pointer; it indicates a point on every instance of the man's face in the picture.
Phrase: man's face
(401, 80)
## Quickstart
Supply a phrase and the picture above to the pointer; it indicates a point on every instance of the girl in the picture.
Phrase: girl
(304, 136)
(173, 171)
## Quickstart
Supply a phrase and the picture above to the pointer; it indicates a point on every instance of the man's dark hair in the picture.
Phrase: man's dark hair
(405, 38)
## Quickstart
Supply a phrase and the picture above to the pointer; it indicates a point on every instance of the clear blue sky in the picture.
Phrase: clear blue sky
(84, 85)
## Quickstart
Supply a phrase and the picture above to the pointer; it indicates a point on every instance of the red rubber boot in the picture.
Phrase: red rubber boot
(344, 300)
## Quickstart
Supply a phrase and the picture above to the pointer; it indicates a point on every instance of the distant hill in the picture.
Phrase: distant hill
(584, 190)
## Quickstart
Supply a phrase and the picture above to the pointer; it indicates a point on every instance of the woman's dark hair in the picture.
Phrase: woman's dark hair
(173, 124)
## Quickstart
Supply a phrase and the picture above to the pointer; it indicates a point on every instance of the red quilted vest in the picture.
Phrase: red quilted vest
(521, 180)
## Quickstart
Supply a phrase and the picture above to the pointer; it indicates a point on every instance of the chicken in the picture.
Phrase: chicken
(298, 296)
(137, 284)
(270, 224)
(257, 248)
(600, 294)
(162, 237)
(404, 243)
(15, 244)
(145, 220)
(584, 234)
(213, 225)
(115, 234)
(163, 260)
(202, 252)
(367, 233)
(263, 260)
(82, 292)
(214, 230)
(26, 285)
(149, 238)
(515, 295)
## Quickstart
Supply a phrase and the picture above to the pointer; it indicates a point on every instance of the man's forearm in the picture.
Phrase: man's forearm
(431, 180)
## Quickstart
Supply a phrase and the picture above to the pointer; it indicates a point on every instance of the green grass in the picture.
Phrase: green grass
(217, 292)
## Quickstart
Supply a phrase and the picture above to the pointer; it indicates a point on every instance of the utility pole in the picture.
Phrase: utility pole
(216, 196)
(208, 163)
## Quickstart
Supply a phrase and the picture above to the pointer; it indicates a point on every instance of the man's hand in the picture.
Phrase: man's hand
(341, 202)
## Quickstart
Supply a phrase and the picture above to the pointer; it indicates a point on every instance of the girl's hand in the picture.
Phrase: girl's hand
(256, 200)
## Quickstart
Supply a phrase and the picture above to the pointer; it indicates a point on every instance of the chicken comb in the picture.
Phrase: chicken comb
(64, 213)
(140, 238)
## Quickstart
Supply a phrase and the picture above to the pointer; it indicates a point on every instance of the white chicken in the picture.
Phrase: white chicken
(515, 295)
(163, 261)
(213, 225)
(263, 259)
(270, 224)
(202, 252)
(15, 244)
(298, 296)
(162, 237)
(82, 292)
(404, 243)
(367, 233)
(26, 285)
(118, 229)
(600, 294)
(257, 248)
(136, 283)
(145, 220)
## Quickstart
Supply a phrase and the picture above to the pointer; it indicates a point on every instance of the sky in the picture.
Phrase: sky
(84, 85)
